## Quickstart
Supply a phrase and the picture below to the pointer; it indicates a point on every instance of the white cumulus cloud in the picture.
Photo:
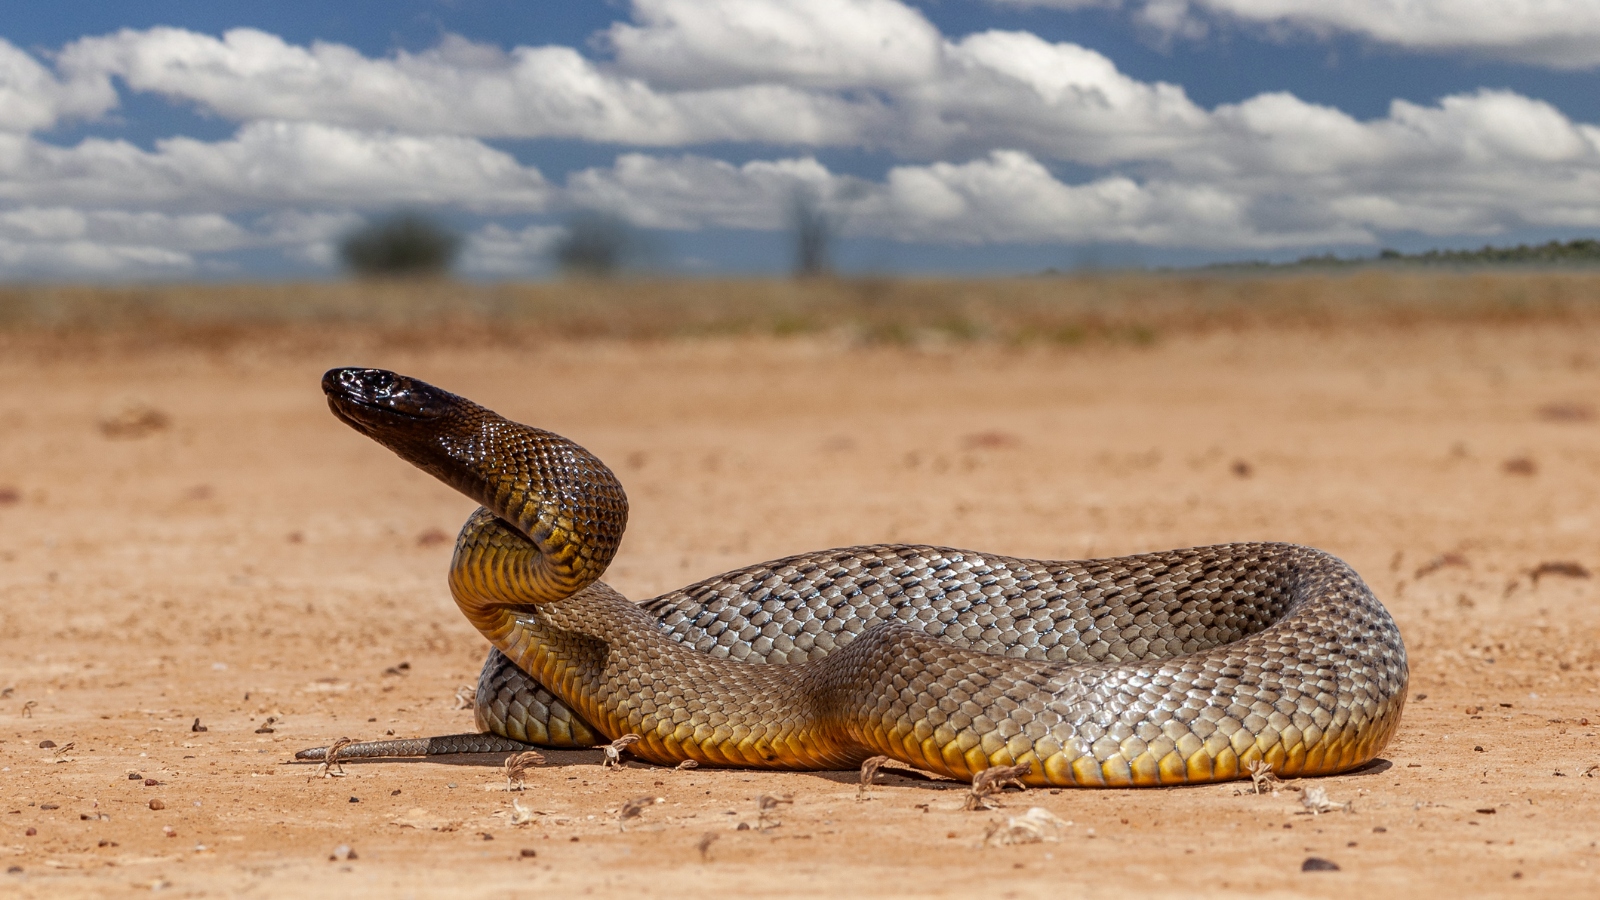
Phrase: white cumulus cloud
(32, 98)
(495, 251)
(271, 164)
(821, 43)
(1559, 34)
(456, 88)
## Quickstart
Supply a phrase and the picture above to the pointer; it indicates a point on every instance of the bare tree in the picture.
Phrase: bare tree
(812, 228)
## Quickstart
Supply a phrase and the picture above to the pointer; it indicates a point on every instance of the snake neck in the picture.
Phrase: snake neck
(554, 492)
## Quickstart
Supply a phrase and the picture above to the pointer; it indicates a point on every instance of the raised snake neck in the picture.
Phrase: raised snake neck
(1160, 668)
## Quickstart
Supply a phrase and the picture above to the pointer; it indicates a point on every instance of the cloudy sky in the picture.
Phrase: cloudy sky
(187, 139)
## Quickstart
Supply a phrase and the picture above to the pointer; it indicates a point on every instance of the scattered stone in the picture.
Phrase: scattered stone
(157, 803)
(1567, 411)
(1520, 465)
(134, 420)
(197, 726)
(527, 853)
(1318, 864)
(342, 853)
(1315, 799)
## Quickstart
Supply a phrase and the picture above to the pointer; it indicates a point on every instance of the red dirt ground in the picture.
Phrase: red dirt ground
(186, 533)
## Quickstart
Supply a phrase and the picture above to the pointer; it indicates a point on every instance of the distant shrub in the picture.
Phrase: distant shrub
(597, 244)
(401, 244)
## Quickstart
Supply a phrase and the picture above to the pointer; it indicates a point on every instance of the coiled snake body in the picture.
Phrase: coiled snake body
(1160, 668)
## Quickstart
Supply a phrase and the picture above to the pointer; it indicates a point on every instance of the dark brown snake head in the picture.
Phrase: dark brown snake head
(552, 490)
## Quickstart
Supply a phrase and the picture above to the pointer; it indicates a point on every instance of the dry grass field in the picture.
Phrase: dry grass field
(189, 540)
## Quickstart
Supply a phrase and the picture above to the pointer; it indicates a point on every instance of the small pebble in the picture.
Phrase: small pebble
(355, 799)
(529, 853)
(135, 776)
(13, 870)
(31, 832)
(342, 853)
(157, 803)
(169, 831)
(151, 782)
(49, 806)
(1318, 864)
(47, 745)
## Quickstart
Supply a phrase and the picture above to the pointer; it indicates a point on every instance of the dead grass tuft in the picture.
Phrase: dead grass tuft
(517, 766)
(330, 767)
(613, 751)
(987, 785)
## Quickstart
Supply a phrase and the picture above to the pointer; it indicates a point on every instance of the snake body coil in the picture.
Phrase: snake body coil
(1161, 668)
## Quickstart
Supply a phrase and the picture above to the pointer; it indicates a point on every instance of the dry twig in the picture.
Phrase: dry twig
(1564, 568)
(517, 766)
(766, 810)
(987, 785)
(614, 749)
(27, 709)
(633, 808)
(465, 696)
(329, 767)
(869, 771)
(704, 845)
(1262, 777)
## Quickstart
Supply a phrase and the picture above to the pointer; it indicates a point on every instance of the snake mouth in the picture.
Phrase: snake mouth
(373, 399)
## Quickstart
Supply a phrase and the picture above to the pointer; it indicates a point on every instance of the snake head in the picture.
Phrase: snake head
(431, 428)
(373, 401)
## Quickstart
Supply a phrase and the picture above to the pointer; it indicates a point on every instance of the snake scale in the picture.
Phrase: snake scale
(1160, 668)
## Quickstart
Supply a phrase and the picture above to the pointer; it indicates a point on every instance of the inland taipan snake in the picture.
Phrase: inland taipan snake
(1160, 668)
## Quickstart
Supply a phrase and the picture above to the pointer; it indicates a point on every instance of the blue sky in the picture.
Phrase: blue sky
(201, 140)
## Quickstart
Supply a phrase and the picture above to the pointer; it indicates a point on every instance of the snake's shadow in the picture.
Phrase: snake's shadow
(900, 776)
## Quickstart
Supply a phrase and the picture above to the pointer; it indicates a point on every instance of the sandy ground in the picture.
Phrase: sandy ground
(187, 534)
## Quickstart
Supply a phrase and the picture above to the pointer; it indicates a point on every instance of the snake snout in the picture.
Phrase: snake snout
(364, 393)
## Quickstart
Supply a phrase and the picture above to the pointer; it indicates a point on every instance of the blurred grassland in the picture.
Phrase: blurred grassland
(1132, 308)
